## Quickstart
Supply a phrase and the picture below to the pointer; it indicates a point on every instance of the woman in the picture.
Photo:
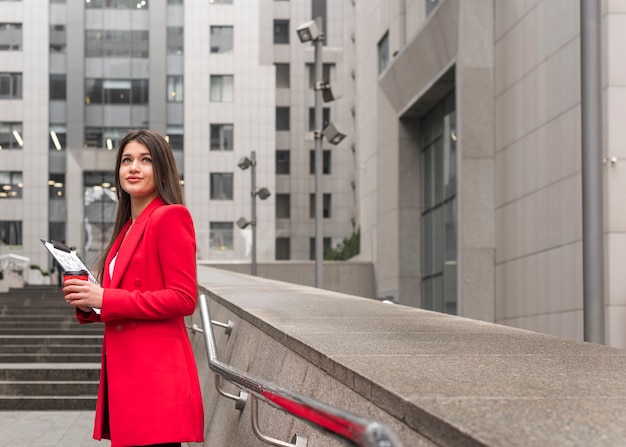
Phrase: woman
(149, 391)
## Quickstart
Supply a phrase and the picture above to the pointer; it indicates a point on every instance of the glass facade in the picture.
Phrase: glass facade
(100, 207)
(439, 208)
(11, 135)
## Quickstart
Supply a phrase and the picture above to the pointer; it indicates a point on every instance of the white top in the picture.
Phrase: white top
(112, 266)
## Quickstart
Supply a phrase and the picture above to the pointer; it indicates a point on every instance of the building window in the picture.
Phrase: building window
(222, 186)
(58, 136)
(11, 135)
(11, 232)
(282, 75)
(326, 242)
(100, 207)
(325, 161)
(10, 85)
(175, 137)
(117, 4)
(221, 236)
(103, 137)
(10, 36)
(175, 90)
(116, 43)
(56, 186)
(318, 9)
(325, 118)
(222, 88)
(283, 249)
(438, 172)
(326, 68)
(383, 53)
(281, 31)
(116, 91)
(57, 87)
(56, 231)
(283, 162)
(325, 205)
(222, 39)
(222, 137)
(58, 39)
(431, 5)
(282, 118)
(283, 206)
(11, 185)
(175, 40)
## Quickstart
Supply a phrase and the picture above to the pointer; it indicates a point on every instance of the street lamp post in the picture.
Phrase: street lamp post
(263, 194)
(319, 166)
(310, 31)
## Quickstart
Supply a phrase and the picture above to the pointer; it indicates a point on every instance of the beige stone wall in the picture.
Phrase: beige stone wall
(538, 167)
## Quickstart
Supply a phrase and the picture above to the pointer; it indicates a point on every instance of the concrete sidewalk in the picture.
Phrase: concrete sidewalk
(48, 429)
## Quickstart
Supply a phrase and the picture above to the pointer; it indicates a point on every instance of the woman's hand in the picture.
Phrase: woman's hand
(83, 294)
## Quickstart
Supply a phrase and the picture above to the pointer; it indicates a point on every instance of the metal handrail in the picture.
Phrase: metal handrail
(357, 430)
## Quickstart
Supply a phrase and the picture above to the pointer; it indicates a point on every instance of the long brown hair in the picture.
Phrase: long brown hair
(166, 179)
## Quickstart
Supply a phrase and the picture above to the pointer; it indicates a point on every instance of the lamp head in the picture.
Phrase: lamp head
(242, 222)
(332, 134)
(263, 193)
(244, 163)
(308, 31)
(330, 93)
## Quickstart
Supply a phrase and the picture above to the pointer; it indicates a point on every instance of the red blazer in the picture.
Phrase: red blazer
(149, 390)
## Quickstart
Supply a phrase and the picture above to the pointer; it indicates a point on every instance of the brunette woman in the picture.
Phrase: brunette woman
(149, 391)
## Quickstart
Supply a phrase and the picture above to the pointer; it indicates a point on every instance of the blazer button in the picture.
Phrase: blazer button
(137, 283)
(119, 327)
(132, 325)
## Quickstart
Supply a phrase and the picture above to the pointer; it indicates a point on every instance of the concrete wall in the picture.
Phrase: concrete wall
(354, 278)
(434, 379)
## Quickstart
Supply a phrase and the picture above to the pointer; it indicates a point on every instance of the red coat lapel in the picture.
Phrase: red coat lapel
(125, 251)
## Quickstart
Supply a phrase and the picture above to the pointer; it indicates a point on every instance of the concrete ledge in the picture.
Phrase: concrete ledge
(434, 379)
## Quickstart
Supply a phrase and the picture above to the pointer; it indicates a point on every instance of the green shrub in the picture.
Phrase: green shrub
(346, 249)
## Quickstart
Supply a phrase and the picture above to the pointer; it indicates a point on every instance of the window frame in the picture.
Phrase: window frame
(13, 82)
(229, 239)
(226, 182)
(222, 39)
(282, 37)
(12, 187)
(218, 86)
(14, 36)
(18, 233)
(222, 138)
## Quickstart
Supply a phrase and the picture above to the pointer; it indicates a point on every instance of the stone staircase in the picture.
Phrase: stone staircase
(47, 360)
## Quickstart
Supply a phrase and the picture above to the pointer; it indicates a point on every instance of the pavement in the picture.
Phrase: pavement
(48, 429)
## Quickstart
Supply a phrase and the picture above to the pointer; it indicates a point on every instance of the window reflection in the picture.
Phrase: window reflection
(100, 208)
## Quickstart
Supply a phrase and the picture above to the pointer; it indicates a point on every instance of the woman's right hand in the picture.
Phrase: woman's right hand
(84, 295)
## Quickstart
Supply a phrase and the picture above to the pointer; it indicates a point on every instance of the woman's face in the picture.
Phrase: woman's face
(136, 171)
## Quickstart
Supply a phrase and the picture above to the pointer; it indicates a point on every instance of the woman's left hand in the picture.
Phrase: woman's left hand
(83, 294)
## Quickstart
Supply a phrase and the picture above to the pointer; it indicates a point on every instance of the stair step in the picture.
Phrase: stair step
(50, 349)
(63, 331)
(47, 403)
(50, 358)
(50, 340)
(48, 388)
(48, 361)
(49, 371)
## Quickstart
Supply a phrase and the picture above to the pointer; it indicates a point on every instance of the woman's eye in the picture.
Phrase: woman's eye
(147, 160)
